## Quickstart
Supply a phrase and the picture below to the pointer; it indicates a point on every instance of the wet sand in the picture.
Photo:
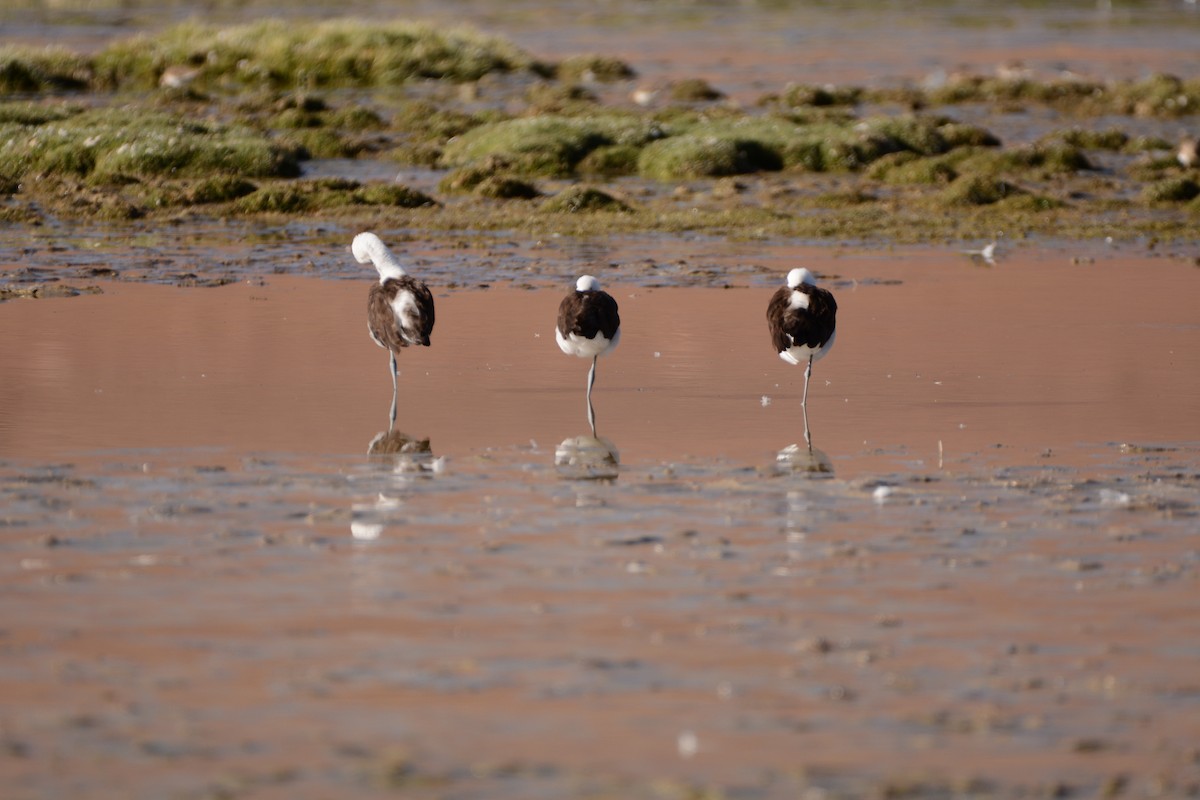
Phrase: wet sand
(211, 591)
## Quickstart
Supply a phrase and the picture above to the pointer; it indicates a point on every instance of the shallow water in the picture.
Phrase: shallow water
(1034, 354)
(982, 576)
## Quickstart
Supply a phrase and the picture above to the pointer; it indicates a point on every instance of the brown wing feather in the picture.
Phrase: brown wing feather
(390, 332)
(423, 325)
(812, 326)
(588, 313)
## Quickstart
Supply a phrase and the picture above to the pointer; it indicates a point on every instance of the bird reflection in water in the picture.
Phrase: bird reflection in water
(407, 458)
(404, 453)
(394, 442)
(587, 458)
(804, 459)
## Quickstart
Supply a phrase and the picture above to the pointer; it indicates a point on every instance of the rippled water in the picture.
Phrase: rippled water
(487, 627)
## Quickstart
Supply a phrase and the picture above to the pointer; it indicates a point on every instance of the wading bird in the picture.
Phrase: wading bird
(802, 318)
(399, 307)
(588, 327)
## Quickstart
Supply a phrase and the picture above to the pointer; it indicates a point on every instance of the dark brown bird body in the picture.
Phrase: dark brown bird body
(400, 313)
(588, 323)
(798, 331)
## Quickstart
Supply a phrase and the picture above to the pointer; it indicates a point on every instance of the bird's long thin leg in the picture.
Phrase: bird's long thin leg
(807, 435)
(392, 412)
(591, 410)
(807, 375)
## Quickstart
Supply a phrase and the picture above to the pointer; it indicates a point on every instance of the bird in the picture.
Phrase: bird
(986, 254)
(802, 318)
(1185, 154)
(399, 307)
(588, 326)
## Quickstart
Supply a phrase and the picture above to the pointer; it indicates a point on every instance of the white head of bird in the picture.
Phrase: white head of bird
(370, 249)
(587, 283)
(799, 276)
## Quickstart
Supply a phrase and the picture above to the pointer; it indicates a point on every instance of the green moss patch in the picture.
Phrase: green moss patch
(502, 187)
(548, 145)
(978, 191)
(333, 53)
(51, 69)
(820, 96)
(1171, 190)
(116, 145)
(746, 144)
(1108, 139)
(1155, 96)
(305, 196)
(697, 156)
(907, 168)
(581, 199)
(219, 189)
(693, 90)
(589, 67)
(392, 194)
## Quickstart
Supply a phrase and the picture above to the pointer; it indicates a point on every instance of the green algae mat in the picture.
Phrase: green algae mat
(198, 120)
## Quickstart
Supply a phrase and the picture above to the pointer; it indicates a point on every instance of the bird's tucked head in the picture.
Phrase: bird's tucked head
(587, 283)
(370, 249)
(799, 276)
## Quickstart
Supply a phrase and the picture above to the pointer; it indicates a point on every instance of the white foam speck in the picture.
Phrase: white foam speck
(1111, 497)
(688, 744)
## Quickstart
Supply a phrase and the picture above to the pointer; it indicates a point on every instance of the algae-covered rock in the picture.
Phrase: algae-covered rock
(555, 98)
(1158, 96)
(616, 159)
(279, 199)
(503, 187)
(1171, 190)
(220, 189)
(548, 145)
(119, 145)
(978, 190)
(489, 177)
(1052, 157)
(590, 67)
(692, 156)
(1109, 139)
(427, 121)
(50, 69)
(821, 96)
(907, 168)
(332, 53)
(693, 90)
(393, 194)
(578, 199)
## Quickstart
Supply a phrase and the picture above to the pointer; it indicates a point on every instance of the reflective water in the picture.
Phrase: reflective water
(223, 577)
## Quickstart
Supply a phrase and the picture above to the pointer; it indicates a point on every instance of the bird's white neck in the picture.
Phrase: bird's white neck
(369, 247)
(389, 268)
